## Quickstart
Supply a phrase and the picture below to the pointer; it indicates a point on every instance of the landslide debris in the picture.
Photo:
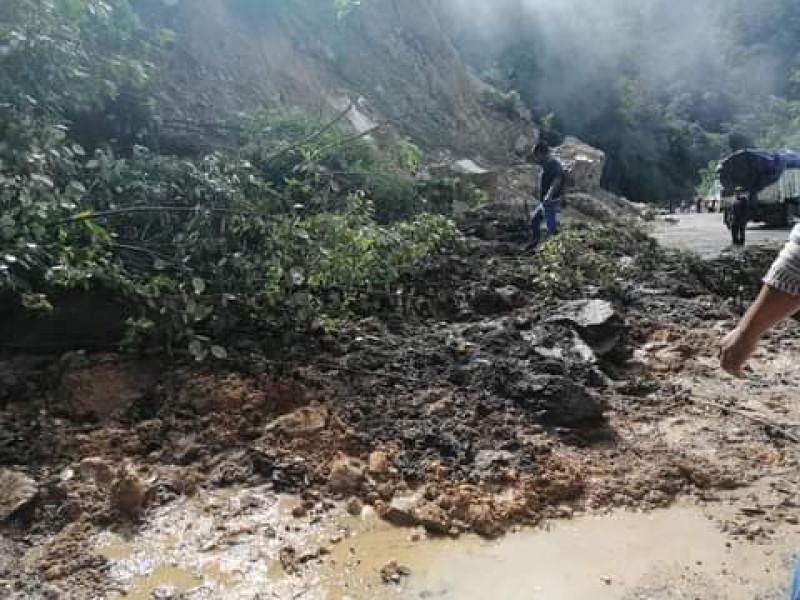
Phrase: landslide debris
(497, 394)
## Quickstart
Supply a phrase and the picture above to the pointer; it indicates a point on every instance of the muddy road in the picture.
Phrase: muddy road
(407, 453)
(707, 235)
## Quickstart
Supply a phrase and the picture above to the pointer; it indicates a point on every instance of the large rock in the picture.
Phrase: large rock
(399, 512)
(407, 512)
(16, 492)
(494, 301)
(467, 170)
(597, 323)
(347, 476)
(584, 163)
(305, 421)
(557, 400)
(128, 494)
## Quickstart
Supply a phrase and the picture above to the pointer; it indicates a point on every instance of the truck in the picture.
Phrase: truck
(772, 180)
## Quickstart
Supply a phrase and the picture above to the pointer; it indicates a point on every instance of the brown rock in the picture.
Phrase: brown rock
(128, 494)
(393, 573)
(299, 511)
(346, 476)
(386, 492)
(355, 507)
(484, 522)
(399, 513)
(302, 422)
(97, 470)
(16, 492)
(378, 464)
(432, 518)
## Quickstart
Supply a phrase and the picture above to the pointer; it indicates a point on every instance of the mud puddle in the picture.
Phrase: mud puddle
(215, 545)
(675, 553)
(246, 545)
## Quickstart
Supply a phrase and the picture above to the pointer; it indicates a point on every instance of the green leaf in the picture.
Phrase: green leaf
(219, 352)
(199, 285)
(198, 350)
(78, 187)
(42, 179)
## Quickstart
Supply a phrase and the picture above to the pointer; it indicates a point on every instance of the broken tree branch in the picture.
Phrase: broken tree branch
(91, 216)
(313, 136)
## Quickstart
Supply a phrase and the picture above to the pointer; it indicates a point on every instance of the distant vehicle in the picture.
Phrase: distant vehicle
(772, 179)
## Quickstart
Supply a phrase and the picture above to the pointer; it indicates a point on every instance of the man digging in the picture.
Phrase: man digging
(551, 190)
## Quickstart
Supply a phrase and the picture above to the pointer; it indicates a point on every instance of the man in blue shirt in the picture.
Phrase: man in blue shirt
(551, 189)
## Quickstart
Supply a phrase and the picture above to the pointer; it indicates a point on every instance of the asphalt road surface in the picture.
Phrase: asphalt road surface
(707, 235)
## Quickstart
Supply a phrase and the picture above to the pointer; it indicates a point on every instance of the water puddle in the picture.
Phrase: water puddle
(676, 553)
(172, 578)
(230, 546)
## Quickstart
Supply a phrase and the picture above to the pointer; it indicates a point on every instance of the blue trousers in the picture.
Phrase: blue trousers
(545, 213)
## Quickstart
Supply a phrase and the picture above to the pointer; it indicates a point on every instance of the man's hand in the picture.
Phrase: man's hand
(737, 348)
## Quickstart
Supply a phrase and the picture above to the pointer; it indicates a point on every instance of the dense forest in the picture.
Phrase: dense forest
(663, 86)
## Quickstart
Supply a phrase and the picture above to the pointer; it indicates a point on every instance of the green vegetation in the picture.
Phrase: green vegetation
(297, 222)
(592, 256)
(708, 177)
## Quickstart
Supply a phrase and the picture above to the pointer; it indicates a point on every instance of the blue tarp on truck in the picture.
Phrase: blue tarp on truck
(755, 170)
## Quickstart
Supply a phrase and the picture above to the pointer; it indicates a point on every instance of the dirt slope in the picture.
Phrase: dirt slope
(392, 57)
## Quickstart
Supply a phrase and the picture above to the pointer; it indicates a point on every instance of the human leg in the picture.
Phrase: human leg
(537, 216)
(551, 210)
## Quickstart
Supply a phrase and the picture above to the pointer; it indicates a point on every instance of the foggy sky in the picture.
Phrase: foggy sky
(582, 45)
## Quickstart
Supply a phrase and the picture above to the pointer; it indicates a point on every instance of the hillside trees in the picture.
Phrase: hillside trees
(298, 222)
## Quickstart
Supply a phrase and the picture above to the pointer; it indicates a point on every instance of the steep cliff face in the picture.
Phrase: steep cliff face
(392, 57)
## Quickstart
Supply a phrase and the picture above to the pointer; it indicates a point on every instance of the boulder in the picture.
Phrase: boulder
(355, 506)
(406, 512)
(467, 170)
(492, 301)
(97, 470)
(346, 476)
(302, 422)
(378, 464)
(433, 518)
(596, 321)
(486, 459)
(400, 512)
(557, 400)
(16, 492)
(128, 494)
(584, 163)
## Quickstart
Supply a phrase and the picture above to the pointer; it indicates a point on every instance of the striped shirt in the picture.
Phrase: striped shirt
(784, 275)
